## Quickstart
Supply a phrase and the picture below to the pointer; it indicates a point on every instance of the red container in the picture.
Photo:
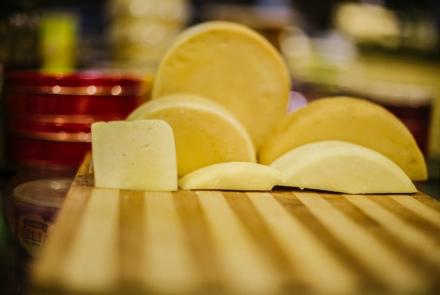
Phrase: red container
(49, 116)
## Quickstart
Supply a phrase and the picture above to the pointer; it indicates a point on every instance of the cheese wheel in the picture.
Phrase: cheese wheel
(232, 65)
(348, 119)
(204, 132)
(342, 167)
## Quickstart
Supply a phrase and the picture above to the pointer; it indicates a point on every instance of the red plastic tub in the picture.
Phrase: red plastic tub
(49, 116)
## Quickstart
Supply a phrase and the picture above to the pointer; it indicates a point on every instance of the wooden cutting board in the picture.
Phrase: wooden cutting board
(116, 241)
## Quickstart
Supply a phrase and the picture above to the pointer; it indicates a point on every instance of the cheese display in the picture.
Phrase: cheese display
(138, 155)
(232, 65)
(352, 120)
(204, 132)
(342, 167)
(240, 176)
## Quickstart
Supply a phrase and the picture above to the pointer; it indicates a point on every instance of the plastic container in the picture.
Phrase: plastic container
(53, 113)
(36, 204)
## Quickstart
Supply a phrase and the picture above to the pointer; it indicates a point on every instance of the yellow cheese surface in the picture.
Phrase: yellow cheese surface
(137, 155)
(348, 119)
(205, 133)
(240, 176)
(342, 167)
(232, 65)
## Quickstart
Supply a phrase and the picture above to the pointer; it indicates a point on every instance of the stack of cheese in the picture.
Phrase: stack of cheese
(219, 102)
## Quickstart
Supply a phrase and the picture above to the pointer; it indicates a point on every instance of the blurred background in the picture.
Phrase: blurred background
(67, 63)
(386, 51)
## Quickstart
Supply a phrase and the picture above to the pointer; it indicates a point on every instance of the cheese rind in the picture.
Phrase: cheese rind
(341, 167)
(205, 133)
(241, 176)
(232, 65)
(137, 155)
(348, 119)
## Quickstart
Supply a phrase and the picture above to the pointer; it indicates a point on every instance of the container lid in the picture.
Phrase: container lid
(78, 83)
(43, 192)
(76, 79)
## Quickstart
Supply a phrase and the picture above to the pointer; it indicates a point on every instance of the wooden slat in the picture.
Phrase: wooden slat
(167, 265)
(381, 260)
(419, 208)
(408, 234)
(245, 268)
(303, 249)
(408, 215)
(259, 231)
(198, 237)
(411, 257)
(131, 212)
(91, 262)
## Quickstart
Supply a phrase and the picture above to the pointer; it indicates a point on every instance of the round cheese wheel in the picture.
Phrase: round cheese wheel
(348, 119)
(204, 132)
(232, 65)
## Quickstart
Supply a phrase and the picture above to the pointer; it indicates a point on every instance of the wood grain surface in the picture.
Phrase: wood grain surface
(280, 242)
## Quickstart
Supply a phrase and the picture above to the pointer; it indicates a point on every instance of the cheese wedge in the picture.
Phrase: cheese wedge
(205, 133)
(348, 119)
(342, 167)
(239, 176)
(138, 155)
(232, 65)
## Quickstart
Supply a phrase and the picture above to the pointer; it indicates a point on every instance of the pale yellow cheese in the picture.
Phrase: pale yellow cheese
(348, 119)
(341, 167)
(137, 155)
(240, 176)
(205, 133)
(232, 65)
